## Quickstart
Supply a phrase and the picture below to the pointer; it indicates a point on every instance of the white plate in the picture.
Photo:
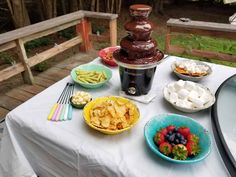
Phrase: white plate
(191, 78)
(194, 109)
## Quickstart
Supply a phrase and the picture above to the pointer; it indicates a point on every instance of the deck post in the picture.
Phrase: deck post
(26, 74)
(113, 32)
(84, 29)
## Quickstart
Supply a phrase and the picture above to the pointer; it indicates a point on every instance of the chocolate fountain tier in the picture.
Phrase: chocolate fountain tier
(138, 49)
(140, 10)
(139, 29)
(150, 61)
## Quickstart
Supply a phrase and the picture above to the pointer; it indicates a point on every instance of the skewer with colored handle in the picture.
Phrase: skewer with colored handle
(56, 116)
(56, 104)
(64, 112)
(70, 107)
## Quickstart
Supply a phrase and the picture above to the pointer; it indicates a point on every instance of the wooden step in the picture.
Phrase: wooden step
(34, 89)
(20, 95)
(55, 74)
(9, 103)
(38, 80)
(3, 113)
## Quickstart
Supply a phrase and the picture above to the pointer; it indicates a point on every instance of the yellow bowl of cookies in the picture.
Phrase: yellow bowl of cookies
(111, 114)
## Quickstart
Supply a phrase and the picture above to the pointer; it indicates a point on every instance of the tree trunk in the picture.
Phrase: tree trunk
(112, 6)
(63, 7)
(97, 6)
(73, 5)
(93, 5)
(19, 13)
(80, 2)
(49, 8)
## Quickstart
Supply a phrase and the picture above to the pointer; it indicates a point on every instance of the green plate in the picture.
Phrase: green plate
(91, 67)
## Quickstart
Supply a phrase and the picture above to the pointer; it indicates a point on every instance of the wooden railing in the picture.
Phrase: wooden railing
(217, 30)
(17, 38)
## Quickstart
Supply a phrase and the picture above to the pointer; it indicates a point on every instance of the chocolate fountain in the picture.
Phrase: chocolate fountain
(138, 57)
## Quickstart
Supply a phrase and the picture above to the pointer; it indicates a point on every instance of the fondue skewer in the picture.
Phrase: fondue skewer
(56, 116)
(57, 103)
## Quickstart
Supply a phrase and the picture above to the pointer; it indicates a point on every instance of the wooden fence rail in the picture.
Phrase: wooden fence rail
(218, 30)
(17, 38)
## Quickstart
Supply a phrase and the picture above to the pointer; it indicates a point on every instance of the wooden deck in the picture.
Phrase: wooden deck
(59, 70)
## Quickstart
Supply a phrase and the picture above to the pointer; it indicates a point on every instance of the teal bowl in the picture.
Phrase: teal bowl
(91, 67)
(163, 120)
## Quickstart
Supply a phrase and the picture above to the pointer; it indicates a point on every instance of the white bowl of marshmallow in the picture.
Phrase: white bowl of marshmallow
(188, 96)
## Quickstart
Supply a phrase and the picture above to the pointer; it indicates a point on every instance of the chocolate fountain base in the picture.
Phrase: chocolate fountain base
(136, 82)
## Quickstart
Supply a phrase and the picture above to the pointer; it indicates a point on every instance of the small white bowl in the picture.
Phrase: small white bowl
(191, 78)
(194, 109)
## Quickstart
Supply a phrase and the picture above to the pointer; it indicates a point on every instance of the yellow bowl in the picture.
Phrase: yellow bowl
(89, 106)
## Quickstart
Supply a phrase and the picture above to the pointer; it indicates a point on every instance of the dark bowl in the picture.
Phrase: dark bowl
(78, 106)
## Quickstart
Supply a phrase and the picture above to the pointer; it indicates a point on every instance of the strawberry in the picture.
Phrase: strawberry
(193, 149)
(179, 152)
(193, 138)
(170, 128)
(159, 138)
(165, 148)
(185, 131)
(163, 131)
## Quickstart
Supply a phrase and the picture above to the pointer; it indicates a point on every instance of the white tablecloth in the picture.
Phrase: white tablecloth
(33, 145)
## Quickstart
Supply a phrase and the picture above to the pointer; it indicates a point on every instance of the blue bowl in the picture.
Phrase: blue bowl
(163, 120)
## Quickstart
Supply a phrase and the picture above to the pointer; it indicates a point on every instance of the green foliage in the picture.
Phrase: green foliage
(68, 33)
(97, 28)
(7, 58)
(201, 43)
(41, 67)
(205, 43)
(44, 41)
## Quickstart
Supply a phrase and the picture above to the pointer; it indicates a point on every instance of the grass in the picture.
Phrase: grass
(202, 43)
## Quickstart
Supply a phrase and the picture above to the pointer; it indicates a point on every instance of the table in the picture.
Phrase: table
(32, 145)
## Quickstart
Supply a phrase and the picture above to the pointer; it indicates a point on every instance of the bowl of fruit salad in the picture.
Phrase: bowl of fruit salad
(106, 55)
(177, 138)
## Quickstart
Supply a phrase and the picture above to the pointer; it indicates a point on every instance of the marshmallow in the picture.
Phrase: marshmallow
(171, 87)
(183, 93)
(197, 102)
(192, 66)
(179, 84)
(187, 94)
(173, 97)
(189, 85)
(193, 94)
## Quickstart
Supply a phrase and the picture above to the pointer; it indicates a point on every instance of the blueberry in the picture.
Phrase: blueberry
(172, 138)
(175, 130)
(184, 142)
(178, 135)
(182, 137)
(170, 133)
(172, 144)
(176, 141)
(167, 136)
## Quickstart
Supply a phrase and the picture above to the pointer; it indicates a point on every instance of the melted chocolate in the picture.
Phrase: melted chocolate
(138, 49)
(122, 56)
